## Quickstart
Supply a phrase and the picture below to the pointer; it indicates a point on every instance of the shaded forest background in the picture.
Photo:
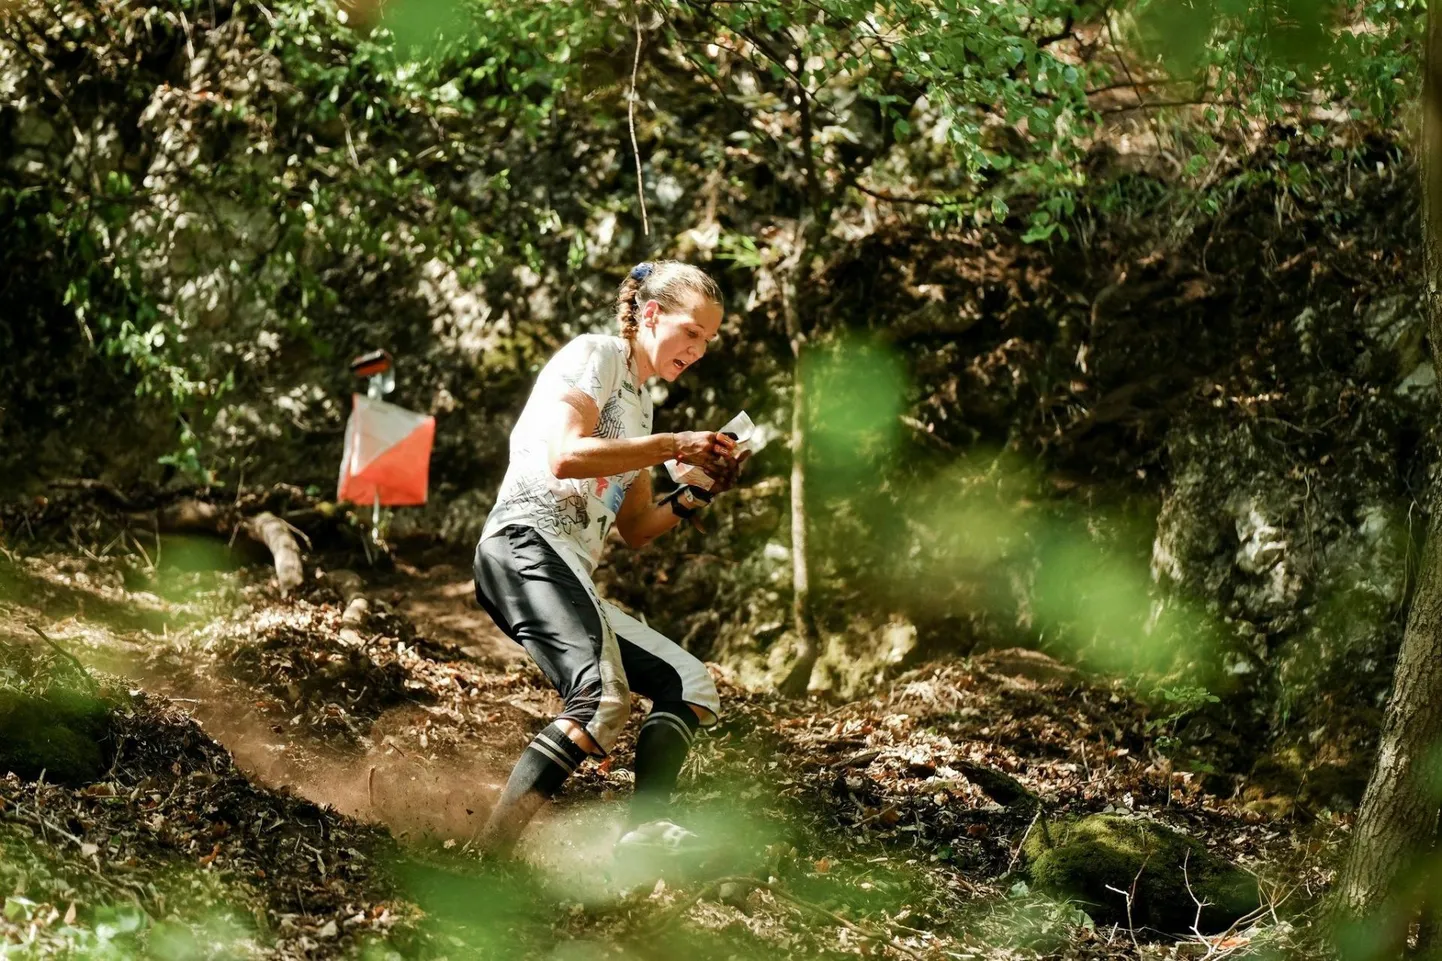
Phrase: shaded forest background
(1158, 402)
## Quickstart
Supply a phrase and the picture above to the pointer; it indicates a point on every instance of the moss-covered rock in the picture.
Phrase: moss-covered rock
(1085, 859)
(63, 732)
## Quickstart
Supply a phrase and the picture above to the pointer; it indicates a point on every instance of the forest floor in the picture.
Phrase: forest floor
(284, 782)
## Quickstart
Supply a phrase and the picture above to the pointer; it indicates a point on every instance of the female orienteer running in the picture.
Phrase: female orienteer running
(580, 455)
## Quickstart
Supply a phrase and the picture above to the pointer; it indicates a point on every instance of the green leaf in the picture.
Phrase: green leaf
(18, 908)
(1038, 232)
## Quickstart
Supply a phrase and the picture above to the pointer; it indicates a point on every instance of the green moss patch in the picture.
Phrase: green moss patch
(64, 733)
(1095, 859)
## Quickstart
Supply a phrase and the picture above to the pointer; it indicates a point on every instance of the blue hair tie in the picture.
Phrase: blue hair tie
(640, 272)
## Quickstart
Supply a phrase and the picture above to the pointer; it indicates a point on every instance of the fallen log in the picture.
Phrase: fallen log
(196, 516)
(276, 534)
(184, 517)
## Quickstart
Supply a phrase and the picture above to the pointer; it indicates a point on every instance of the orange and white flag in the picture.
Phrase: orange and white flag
(387, 452)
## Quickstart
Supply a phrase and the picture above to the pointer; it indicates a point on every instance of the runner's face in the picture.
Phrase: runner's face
(676, 339)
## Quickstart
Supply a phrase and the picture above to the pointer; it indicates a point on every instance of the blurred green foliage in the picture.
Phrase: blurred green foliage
(859, 392)
(981, 525)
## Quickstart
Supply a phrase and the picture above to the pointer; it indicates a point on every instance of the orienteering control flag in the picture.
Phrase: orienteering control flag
(387, 451)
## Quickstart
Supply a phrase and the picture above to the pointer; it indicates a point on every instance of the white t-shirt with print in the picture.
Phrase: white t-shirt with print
(576, 512)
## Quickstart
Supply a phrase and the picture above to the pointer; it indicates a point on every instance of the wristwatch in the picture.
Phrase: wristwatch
(687, 500)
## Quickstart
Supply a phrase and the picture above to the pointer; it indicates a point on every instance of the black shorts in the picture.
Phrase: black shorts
(594, 653)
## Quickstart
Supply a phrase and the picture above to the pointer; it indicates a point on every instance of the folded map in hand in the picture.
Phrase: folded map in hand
(740, 428)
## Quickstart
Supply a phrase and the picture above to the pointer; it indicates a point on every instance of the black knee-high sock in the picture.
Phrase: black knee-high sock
(661, 747)
(548, 760)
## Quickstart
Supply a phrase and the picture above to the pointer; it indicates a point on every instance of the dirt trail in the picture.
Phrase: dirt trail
(415, 793)
(412, 795)
(440, 601)
(425, 770)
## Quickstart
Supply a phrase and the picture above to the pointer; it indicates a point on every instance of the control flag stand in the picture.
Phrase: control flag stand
(387, 448)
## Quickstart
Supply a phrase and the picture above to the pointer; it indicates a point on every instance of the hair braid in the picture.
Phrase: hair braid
(628, 307)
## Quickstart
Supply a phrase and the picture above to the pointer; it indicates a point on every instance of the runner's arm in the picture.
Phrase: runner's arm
(639, 521)
(573, 452)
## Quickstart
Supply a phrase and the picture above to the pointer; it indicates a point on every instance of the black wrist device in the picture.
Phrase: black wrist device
(686, 500)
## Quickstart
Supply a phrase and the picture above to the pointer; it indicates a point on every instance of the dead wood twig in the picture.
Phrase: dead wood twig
(878, 937)
(95, 486)
(43, 824)
(1130, 894)
(679, 910)
(856, 760)
(183, 516)
(883, 812)
(882, 938)
(1022, 843)
(90, 681)
(141, 548)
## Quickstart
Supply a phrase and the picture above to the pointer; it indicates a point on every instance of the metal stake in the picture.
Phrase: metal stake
(377, 386)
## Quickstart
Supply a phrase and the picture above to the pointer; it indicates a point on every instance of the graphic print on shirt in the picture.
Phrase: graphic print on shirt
(611, 491)
(612, 423)
(580, 511)
(566, 515)
(586, 380)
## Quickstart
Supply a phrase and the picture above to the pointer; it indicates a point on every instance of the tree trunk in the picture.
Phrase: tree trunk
(1429, 927)
(1382, 882)
(808, 236)
(1398, 818)
(802, 615)
(793, 290)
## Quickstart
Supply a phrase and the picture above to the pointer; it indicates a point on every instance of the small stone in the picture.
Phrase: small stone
(734, 894)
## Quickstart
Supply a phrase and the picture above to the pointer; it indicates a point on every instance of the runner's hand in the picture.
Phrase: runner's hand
(706, 449)
(728, 473)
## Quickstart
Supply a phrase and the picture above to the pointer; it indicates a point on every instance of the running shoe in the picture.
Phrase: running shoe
(658, 849)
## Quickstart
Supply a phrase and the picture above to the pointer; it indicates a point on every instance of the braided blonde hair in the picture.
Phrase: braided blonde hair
(665, 281)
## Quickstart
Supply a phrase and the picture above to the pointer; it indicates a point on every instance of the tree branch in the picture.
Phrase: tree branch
(765, 49)
(1047, 40)
(813, 181)
(1160, 104)
(1126, 69)
(895, 199)
(1133, 84)
(631, 120)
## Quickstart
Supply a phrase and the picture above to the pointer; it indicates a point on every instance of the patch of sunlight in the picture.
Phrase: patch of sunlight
(856, 391)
